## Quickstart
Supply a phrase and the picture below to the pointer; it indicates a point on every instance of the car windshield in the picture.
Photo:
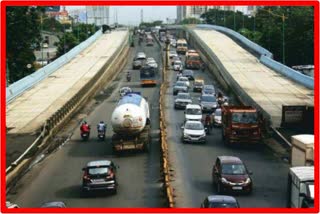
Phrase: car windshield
(194, 126)
(98, 171)
(180, 84)
(217, 112)
(187, 73)
(233, 169)
(208, 91)
(208, 87)
(208, 99)
(194, 111)
(198, 83)
(245, 117)
(177, 63)
(194, 58)
(183, 79)
(222, 205)
(183, 96)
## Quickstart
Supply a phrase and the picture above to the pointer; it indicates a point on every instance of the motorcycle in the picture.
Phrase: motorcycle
(128, 78)
(101, 135)
(207, 127)
(85, 135)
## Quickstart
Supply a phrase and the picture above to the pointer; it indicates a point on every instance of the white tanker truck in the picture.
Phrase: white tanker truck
(130, 122)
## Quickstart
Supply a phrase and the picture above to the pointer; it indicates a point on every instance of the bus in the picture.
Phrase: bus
(182, 46)
(148, 76)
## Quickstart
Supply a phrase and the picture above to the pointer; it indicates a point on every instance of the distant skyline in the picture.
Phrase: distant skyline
(131, 15)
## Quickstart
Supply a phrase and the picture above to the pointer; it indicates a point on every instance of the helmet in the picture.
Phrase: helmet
(101, 121)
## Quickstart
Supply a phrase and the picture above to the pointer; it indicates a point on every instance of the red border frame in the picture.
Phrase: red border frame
(315, 4)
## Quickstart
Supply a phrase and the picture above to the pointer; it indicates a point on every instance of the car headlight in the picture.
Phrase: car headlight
(234, 132)
(185, 135)
(225, 181)
(248, 180)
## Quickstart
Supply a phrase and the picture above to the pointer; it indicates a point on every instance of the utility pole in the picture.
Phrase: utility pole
(141, 13)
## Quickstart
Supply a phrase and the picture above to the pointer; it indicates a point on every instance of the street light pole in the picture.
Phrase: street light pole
(41, 27)
(283, 44)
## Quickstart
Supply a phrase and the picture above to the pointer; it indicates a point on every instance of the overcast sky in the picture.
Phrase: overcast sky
(132, 14)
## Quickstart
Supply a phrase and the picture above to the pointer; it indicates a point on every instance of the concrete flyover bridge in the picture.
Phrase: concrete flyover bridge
(238, 67)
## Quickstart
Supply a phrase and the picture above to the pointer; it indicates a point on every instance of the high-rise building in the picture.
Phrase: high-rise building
(184, 12)
(98, 15)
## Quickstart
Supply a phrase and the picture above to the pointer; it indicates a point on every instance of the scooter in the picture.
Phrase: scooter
(207, 128)
(101, 135)
(85, 135)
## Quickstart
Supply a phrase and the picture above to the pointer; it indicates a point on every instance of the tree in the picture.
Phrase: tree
(66, 42)
(190, 21)
(23, 33)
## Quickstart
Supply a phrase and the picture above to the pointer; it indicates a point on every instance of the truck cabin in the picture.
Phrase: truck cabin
(244, 117)
(301, 187)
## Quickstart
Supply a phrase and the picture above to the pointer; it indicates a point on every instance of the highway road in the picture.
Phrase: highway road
(58, 176)
(192, 163)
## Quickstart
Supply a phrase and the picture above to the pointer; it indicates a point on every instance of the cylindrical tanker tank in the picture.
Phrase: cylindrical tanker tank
(130, 115)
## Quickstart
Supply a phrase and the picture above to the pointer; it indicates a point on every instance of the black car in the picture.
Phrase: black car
(220, 201)
(99, 175)
(53, 204)
(188, 73)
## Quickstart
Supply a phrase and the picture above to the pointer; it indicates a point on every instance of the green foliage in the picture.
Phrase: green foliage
(52, 25)
(150, 24)
(22, 31)
(190, 21)
(67, 42)
(266, 29)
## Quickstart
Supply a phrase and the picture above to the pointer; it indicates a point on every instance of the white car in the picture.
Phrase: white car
(217, 117)
(152, 64)
(193, 112)
(141, 55)
(184, 79)
(193, 132)
(150, 59)
(173, 54)
(177, 65)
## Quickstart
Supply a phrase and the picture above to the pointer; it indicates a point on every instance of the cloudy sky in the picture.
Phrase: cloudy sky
(132, 14)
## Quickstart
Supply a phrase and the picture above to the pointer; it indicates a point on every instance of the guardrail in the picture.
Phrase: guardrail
(265, 56)
(288, 72)
(27, 82)
(165, 167)
(52, 125)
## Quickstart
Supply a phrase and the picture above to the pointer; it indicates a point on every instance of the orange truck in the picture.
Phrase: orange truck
(240, 124)
(193, 60)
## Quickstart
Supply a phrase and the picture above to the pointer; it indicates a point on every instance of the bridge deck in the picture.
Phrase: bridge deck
(30, 110)
(269, 89)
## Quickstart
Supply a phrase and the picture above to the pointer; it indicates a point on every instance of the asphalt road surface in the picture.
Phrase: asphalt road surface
(58, 177)
(192, 163)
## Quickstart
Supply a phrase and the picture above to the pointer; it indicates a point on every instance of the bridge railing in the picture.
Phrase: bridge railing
(27, 82)
(265, 56)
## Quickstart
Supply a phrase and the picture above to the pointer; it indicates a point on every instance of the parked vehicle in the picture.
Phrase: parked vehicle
(188, 73)
(180, 87)
(177, 65)
(208, 103)
(193, 112)
(301, 187)
(229, 174)
(182, 46)
(54, 204)
(220, 201)
(182, 100)
(198, 85)
(302, 150)
(240, 124)
(184, 79)
(209, 90)
(193, 132)
(130, 122)
(99, 175)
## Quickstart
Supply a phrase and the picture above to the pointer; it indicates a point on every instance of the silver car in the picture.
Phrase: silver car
(182, 100)
(193, 132)
(208, 103)
(180, 87)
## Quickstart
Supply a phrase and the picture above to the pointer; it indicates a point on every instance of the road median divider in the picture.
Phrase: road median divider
(54, 123)
(165, 166)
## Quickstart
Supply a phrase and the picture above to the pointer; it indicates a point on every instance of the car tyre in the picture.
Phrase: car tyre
(219, 188)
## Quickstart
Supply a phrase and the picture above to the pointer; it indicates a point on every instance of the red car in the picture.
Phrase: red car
(229, 174)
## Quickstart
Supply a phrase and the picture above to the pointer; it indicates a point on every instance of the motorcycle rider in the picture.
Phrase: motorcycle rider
(220, 98)
(101, 127)
(179, 75)
(84, 128)
(128, 76)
